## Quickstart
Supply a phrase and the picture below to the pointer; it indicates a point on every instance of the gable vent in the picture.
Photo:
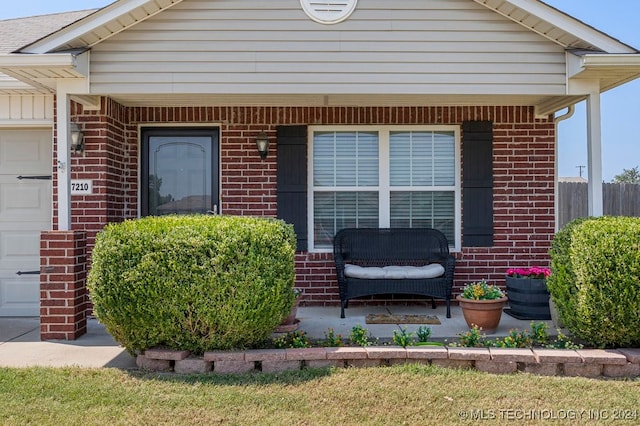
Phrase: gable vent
(328, 12)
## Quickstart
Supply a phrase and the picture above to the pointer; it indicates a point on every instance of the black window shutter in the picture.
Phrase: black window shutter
(477, 184)
(292, 180)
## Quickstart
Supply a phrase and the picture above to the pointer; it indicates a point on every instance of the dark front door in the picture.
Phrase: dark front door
(179, 171)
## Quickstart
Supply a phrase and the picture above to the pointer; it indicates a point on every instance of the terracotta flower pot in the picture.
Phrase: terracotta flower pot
(483, 313)
(290, 323)
(291, 318)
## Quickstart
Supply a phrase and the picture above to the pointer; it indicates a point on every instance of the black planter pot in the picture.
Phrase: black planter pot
(528, 299)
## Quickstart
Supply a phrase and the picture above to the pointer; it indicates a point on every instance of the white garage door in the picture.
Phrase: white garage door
(25, 211)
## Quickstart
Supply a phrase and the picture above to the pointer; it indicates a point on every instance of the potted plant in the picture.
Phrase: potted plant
(482, 305)
(290, 323)
(528, 294)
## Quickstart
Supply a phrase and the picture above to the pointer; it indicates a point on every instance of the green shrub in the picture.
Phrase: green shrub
(193, 282)
(360, 336)
(561, 283)
(332, 339)
(423, 333)
(602, 303)
(293, 339)
(402, 337)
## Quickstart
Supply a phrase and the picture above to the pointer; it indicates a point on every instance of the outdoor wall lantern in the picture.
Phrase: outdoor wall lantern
(262, 142)
(77, 138)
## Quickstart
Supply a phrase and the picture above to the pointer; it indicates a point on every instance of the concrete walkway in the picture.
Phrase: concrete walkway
(20, 344)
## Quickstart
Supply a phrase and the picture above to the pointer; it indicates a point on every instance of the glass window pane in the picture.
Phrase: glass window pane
(427, 209)
(445, 159)
(324, 173)
(422, 171)
(346, 172)
(345, 159)
(400, 157)
(334, 211)
(422, 158)
(179, 174)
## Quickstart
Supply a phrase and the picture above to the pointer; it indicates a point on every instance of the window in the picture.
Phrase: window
(384, 177)
(179, 171)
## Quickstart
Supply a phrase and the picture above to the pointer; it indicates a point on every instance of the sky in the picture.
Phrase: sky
(620, 106)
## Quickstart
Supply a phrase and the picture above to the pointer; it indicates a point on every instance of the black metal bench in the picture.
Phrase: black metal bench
(361, 254)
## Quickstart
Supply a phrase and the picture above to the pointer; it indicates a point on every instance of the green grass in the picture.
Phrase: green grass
(413, 395)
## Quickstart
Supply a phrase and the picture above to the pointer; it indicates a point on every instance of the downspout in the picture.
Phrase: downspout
(570, 111)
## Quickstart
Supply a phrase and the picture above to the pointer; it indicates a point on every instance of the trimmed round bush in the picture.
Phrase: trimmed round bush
(562, 284)
(598, 291)
(193, 282)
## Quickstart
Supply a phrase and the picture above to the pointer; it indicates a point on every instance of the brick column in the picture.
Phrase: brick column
(63, 285)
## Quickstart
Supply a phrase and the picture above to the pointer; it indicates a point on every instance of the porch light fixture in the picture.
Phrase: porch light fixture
(77, 138)
(262, 143)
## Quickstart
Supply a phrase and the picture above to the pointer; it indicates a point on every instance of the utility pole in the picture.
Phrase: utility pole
(580, 169)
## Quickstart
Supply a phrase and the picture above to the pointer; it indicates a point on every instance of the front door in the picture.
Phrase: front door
(179, 171)
(25, 211)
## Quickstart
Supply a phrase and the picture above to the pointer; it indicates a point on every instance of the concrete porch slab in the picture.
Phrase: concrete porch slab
(20, 344)
(315, 321)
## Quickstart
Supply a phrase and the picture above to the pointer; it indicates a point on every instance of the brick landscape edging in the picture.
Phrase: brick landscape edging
(545, 362)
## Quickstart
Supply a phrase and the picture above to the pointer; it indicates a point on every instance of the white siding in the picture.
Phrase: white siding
(385, 47)
(26, 108)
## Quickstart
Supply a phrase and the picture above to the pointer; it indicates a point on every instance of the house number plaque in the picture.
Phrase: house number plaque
(81, 187)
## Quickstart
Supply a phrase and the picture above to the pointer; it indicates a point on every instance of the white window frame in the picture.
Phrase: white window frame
(384, 187)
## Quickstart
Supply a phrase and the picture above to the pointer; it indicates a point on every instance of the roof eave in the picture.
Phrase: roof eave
(109, 17)
(538, 10)
(588, 73)
(42, 71)
(611, 70)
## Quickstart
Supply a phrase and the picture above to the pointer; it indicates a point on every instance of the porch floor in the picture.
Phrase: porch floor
(315, 321)
(20, 344)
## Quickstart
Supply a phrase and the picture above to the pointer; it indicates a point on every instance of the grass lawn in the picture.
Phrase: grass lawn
(413, 395)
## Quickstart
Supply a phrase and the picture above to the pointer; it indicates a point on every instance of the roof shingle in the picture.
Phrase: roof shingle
(17, 33)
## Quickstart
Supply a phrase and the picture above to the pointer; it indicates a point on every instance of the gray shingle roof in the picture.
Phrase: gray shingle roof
(19, 32)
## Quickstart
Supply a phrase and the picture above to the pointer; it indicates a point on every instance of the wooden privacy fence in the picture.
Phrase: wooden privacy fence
(619, 199)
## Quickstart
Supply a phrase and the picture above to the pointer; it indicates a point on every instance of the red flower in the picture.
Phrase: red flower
(533, 272)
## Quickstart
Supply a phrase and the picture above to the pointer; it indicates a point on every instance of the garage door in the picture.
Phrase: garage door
(25, 211)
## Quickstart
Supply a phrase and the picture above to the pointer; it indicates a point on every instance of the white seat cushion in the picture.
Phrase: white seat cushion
(432, 270)
(355, 271)
(394, 272)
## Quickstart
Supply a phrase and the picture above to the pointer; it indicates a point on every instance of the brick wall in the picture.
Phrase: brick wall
(523, 174)
(63, 293)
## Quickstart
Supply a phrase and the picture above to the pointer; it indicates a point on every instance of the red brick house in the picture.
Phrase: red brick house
(437, 113)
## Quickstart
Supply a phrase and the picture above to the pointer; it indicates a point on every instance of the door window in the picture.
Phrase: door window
(180, 171)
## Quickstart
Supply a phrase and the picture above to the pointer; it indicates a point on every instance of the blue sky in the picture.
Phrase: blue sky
(620, 106)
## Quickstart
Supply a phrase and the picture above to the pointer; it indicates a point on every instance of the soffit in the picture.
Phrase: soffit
(42, 71)
(444, 100)
(610, 70)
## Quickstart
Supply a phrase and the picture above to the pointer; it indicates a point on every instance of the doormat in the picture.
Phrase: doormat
(401, 319)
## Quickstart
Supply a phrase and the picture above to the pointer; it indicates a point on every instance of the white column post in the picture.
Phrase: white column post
(63, 155)
(570, 111)
(594, 154)
(64, 88)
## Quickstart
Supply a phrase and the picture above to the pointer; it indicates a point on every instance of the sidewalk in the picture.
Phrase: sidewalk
(20, 344)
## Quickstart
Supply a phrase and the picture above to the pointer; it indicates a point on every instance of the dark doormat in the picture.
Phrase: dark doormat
(401, 319)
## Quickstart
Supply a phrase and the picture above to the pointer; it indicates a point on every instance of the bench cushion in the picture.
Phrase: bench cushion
(432, 270)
